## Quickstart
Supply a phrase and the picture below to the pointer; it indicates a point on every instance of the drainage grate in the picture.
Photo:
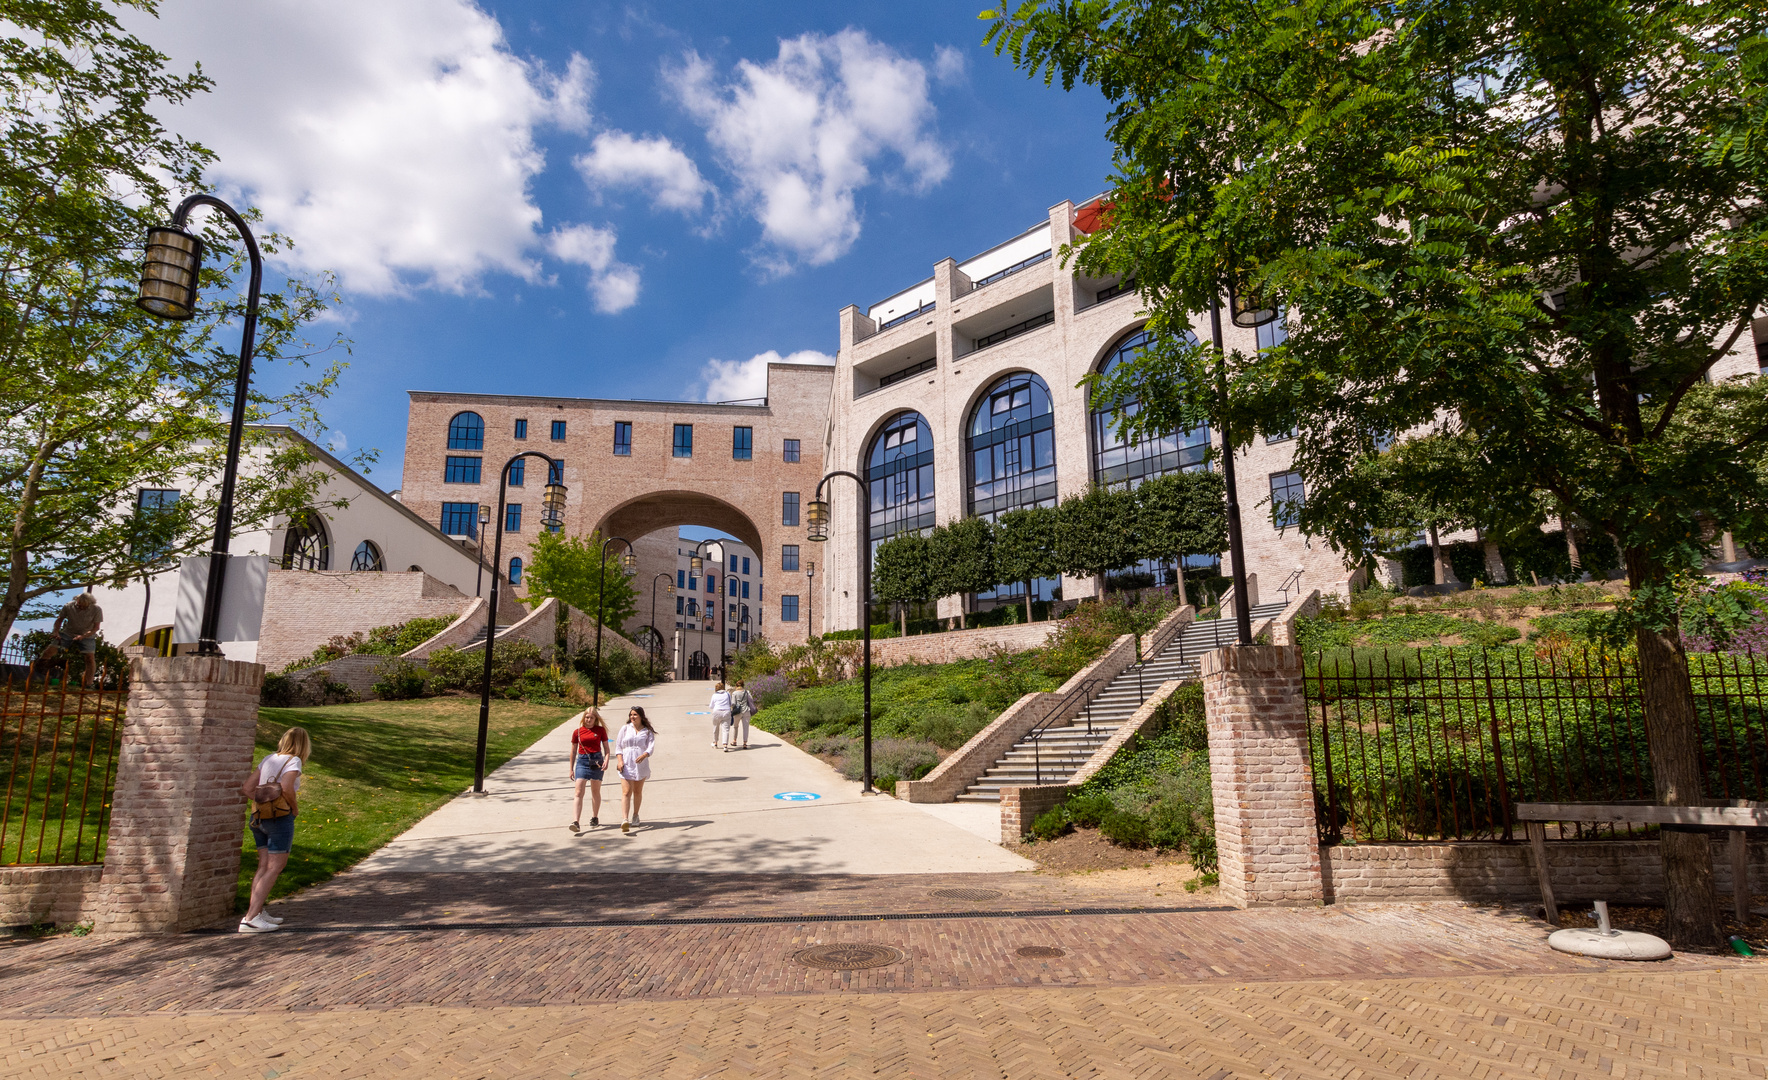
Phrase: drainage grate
(1040, 952)
(966, 894)
(848, 957)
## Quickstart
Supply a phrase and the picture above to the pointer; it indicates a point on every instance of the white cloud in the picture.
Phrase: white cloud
(950, 65)
(613, 284)
(392, 140)
(802, 134)
(620, 160)
(736, 380)
(337, 443)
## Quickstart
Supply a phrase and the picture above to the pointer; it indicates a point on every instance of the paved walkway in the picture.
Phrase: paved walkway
(704, 811)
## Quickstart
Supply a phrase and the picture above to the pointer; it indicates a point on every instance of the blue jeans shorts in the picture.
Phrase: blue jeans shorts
(86, 645)
(588, 767)
(276, 836)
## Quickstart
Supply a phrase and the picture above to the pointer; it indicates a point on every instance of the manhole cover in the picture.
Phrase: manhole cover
(966, 894)
(1041, 952)
(848, 957)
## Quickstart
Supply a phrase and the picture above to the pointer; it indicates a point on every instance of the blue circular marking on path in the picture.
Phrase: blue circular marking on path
(798, 796)
(702, 712)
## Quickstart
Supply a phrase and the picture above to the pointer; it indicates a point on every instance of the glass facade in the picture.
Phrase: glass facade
(1116, 461)
(899, 471)
(1011, 448)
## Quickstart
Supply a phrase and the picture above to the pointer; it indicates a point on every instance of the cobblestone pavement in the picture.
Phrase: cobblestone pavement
(684, 990)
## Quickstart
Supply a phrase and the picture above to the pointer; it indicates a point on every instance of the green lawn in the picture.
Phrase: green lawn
(378, 768)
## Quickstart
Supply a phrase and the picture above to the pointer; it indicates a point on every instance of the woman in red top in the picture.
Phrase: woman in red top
(589, 755)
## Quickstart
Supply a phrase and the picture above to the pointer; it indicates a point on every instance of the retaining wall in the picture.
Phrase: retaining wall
(961, 644)
(305, 609)
(48, 894)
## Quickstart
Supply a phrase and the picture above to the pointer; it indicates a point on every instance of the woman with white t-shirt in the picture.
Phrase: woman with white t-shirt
(632, 758)
(272, 788)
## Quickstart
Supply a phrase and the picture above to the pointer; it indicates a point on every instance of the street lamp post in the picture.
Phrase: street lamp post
(484, 520)
(697, 565)
(1247, 313)
(629, 563)
(817, 517)
(553, 505)
(169, 273)
(809, 598)
(655, 634)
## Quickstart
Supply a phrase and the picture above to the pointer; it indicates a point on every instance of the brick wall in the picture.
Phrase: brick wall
(1263, 784)
(540, 626)
(580, 634)
(1167, 629)
(303, 610)
(462, 630)
(173, 858)
(961, 644)
(1619, 871)
(48, 894)
(1281, 627)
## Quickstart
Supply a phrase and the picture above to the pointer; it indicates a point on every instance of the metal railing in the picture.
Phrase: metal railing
(58, 765)
(1085, 691)
(1412, 745)
(908, 315)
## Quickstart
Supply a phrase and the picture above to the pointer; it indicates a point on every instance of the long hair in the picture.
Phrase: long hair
(594, 716)
(296, 741)
(643, 719)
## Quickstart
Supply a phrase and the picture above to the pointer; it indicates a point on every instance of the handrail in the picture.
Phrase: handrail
(1293, 580)
(1060, 712)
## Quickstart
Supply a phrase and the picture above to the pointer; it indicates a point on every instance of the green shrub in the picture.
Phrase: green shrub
(1490, 635)
(403, 637)
(622, 671)
(400, 680)
(1089, 809)
(278, 691)
(1125, 829)
(1051, 823)
(827, 712)
(451, 669)
(890, 757)
(950, 728)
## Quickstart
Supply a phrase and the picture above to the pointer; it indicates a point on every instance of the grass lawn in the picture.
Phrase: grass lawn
(378, 768)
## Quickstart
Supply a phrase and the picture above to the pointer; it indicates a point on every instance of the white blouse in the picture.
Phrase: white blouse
(629, 744)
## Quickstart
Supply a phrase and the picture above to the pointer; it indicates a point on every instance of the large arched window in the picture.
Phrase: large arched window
(1012, 447)
(367, 557)
(305, 545)
(899, 470)
(1117, 461)
(466, 432)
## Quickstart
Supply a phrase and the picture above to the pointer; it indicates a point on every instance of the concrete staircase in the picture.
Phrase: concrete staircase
(1057, 752)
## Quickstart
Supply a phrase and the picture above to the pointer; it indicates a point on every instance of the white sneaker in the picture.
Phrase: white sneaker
(258, 925)
(265, 914)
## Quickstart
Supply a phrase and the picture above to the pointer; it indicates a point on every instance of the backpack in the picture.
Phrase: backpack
(268, 800)
(742, 702)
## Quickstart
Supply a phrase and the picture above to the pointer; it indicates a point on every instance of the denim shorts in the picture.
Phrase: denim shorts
(85, 645)
(277, 836)
(587, 767)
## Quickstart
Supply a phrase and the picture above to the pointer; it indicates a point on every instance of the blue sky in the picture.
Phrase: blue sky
(615, 200)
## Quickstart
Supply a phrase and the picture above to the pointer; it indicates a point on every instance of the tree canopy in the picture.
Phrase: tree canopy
(573, 569)
(1538, 226)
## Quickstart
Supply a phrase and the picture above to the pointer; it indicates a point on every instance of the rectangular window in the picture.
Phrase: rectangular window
(681, 579)
(684, 440)
(791, 452)
(789, 508)
(150, 502)
(732, 636)
(730, 585)
(712, 583)
(745, 564)
(558, 431)
(512, 517)
(788, 609)
(519, 472)
(461, 470)
(460, 519)
(556, 474)
(789, 558)
(745, 637)
(679, 601)
(733, 612)
(521, 429)
(742, 443)
(1279, 436)
(622, 438)
(693, 583)
(745, 590)
(1287, 496)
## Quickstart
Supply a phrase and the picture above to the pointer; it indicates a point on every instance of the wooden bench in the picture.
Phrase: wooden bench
(1735, 818)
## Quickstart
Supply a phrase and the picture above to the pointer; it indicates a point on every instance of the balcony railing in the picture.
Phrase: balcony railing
(907, 373)
(1112, 292)
(1016, 329)
(915, 314)
(1024, 264)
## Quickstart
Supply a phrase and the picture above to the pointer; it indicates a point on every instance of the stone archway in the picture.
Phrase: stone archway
(665, 509)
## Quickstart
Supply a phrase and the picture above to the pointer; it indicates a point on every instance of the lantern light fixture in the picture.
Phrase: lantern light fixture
(169, 273)
(817, 517)
(1248, 312)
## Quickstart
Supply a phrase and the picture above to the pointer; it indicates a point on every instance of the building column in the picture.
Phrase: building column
(1266, 836)
(177, 817)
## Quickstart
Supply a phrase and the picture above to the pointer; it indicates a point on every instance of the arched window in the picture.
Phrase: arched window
(367, 557)
(899, 469)
(1117, 461)
(516, 571)
(1012, 447)
(305, 545)
(466, 432)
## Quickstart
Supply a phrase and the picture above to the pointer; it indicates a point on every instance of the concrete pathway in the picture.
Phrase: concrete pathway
(705, 811)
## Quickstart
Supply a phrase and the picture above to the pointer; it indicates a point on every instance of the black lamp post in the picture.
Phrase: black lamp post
(629, 563)
(697, 565)
(656, 634)
(809, 597)
(484, 520)
(552, 503)
(174, 261)
(1247, 312)
(817, 517)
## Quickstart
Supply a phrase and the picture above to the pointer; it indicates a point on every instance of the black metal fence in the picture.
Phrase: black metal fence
(58, 765)
(1440, 744)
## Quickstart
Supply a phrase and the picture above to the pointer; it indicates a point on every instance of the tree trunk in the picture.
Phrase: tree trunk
(903, 611)
(1495, 570)
(1571, 549)
(1440, 570)
(1028, 616)
(1182, 598)
(1673, 739)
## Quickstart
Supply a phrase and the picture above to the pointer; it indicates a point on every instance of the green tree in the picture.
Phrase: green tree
(1096, 533)
(963, 556)
(1182, 514)
(573, 569)
(1025, 548)
(903, 573)
(100, 399)
(1544, 220)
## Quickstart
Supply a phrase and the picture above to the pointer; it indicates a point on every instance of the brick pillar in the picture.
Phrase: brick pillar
(177, 816)
(1262, 780)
